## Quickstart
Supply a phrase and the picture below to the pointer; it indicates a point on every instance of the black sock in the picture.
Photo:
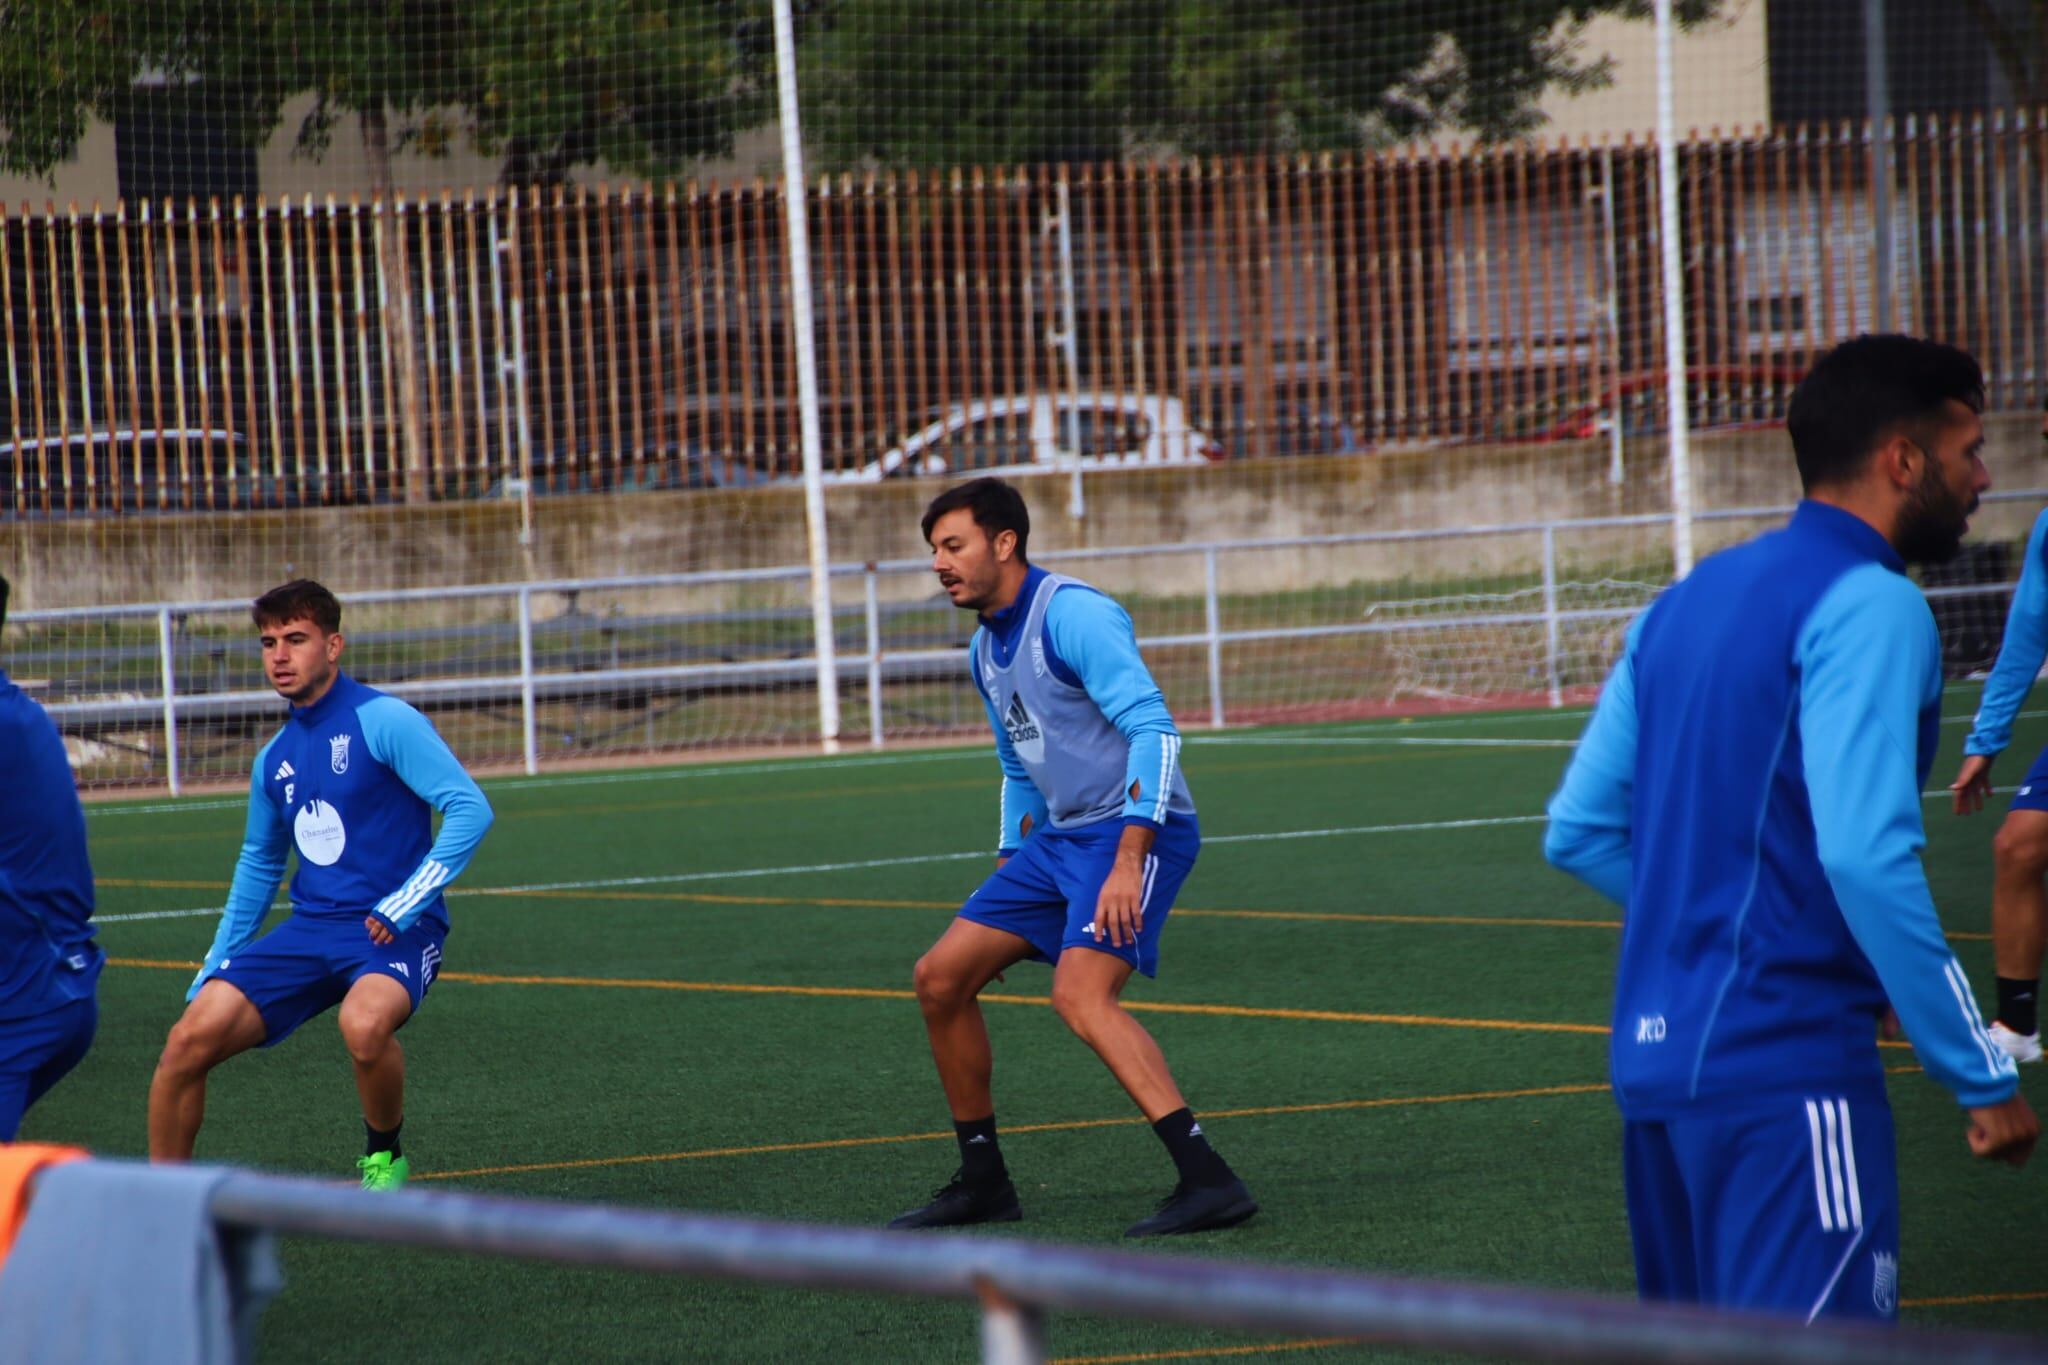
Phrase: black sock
(2017, 1008)
(1192, 1155)
(375, 1141)
(981, 1161)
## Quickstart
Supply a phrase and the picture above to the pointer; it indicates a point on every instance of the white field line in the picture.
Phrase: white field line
(867, 864)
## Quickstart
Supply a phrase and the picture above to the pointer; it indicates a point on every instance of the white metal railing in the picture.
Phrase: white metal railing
(1017, 1283)
(530, 686)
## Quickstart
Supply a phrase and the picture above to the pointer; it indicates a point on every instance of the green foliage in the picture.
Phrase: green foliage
(638, 85)
(904, 82)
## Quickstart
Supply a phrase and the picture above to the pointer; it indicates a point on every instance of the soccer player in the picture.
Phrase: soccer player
(49, 964)
(352, 782)
(2019, 855)
(1748, 789)
(1098, 833)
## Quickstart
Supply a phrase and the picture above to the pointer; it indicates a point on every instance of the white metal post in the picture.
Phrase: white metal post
(1615, 444)
(164, 646)
(1214, 617)
(1550, 615)
(1674, 300)
(1070, 348)
(874, 615)
(793, 200)
(1012, 1333)
(527, 719)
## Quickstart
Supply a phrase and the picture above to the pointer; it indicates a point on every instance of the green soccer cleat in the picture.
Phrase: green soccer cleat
(382, 1171)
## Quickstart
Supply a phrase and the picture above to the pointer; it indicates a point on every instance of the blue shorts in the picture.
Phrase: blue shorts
(1046, 894)
(2033, 789)
(305, 966)
(1789, 1206)
(35, 1054)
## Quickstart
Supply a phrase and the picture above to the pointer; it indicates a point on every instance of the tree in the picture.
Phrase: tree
(2017, 31)
(951, 82)
(643, 86)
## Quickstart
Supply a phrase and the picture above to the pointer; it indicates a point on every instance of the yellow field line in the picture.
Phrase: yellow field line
(1952, 1300)
(1211, 1352)
(1065, 1126)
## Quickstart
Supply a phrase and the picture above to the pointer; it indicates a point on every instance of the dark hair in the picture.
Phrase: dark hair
(1864, 391)
(299, 600)
(4, 591)
(997, 507)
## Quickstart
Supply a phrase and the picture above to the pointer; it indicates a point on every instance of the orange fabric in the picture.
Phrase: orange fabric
(19, 1161)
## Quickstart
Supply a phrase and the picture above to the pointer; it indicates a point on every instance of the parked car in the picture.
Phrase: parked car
(1295, 428)
(196, 468)
(1043, 431)
(694, 468)
(1718, 398)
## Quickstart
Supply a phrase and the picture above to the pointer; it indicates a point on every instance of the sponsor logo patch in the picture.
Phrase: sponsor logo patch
(318, 831)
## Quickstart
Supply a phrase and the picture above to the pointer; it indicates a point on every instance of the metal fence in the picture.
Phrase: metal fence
(302, 353)
(1237, 631)
(1017, 1283)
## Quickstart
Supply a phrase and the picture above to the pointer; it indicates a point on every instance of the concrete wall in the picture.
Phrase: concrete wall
(85, 562)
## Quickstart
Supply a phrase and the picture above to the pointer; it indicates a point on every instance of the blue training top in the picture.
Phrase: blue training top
(1748, 788)
(1082, 732)
(2020, 653)
(47, 955)
(353, 782)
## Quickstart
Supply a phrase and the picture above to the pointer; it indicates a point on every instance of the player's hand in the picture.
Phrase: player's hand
(2004, 1132)
(1888, 1026)
(380, 929)
(1118, 912)
(1972, 784)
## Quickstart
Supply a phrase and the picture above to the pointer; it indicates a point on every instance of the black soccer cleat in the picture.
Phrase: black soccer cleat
(962, 1202)
(1198, 1208)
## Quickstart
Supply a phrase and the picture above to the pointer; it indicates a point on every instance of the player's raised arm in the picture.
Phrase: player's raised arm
(1592, 814)
(2024, 647)
(1095, 646)
(1870, 669)
(406, 742)
(258, 869)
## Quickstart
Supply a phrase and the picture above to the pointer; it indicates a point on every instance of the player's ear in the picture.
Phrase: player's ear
(1005, 543)
(334, 645)
(1898, 459)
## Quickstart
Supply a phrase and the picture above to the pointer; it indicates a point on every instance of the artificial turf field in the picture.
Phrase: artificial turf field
(688, 988)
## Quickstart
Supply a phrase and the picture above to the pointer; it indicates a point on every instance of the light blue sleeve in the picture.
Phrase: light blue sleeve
(266, 843)
(1869, 661)
(2020, 653)
(1023, 805)
(1095, 638)
(406, 742)
(1592, 814)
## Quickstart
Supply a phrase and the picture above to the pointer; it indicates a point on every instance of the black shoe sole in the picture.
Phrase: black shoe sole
(1012, 1214)
(1229, 1217)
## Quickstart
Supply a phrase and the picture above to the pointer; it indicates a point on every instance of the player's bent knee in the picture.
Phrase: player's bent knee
(1080, 1006)
(939, 984)
(193, 1046)
(2021, 845)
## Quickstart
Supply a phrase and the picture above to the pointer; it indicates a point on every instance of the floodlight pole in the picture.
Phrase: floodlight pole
(1674, 300)
(794, 204)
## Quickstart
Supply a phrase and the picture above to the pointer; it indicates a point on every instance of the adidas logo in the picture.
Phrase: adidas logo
(977, 1139)
(284, 770)
(1023, 729)
(401, 969)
